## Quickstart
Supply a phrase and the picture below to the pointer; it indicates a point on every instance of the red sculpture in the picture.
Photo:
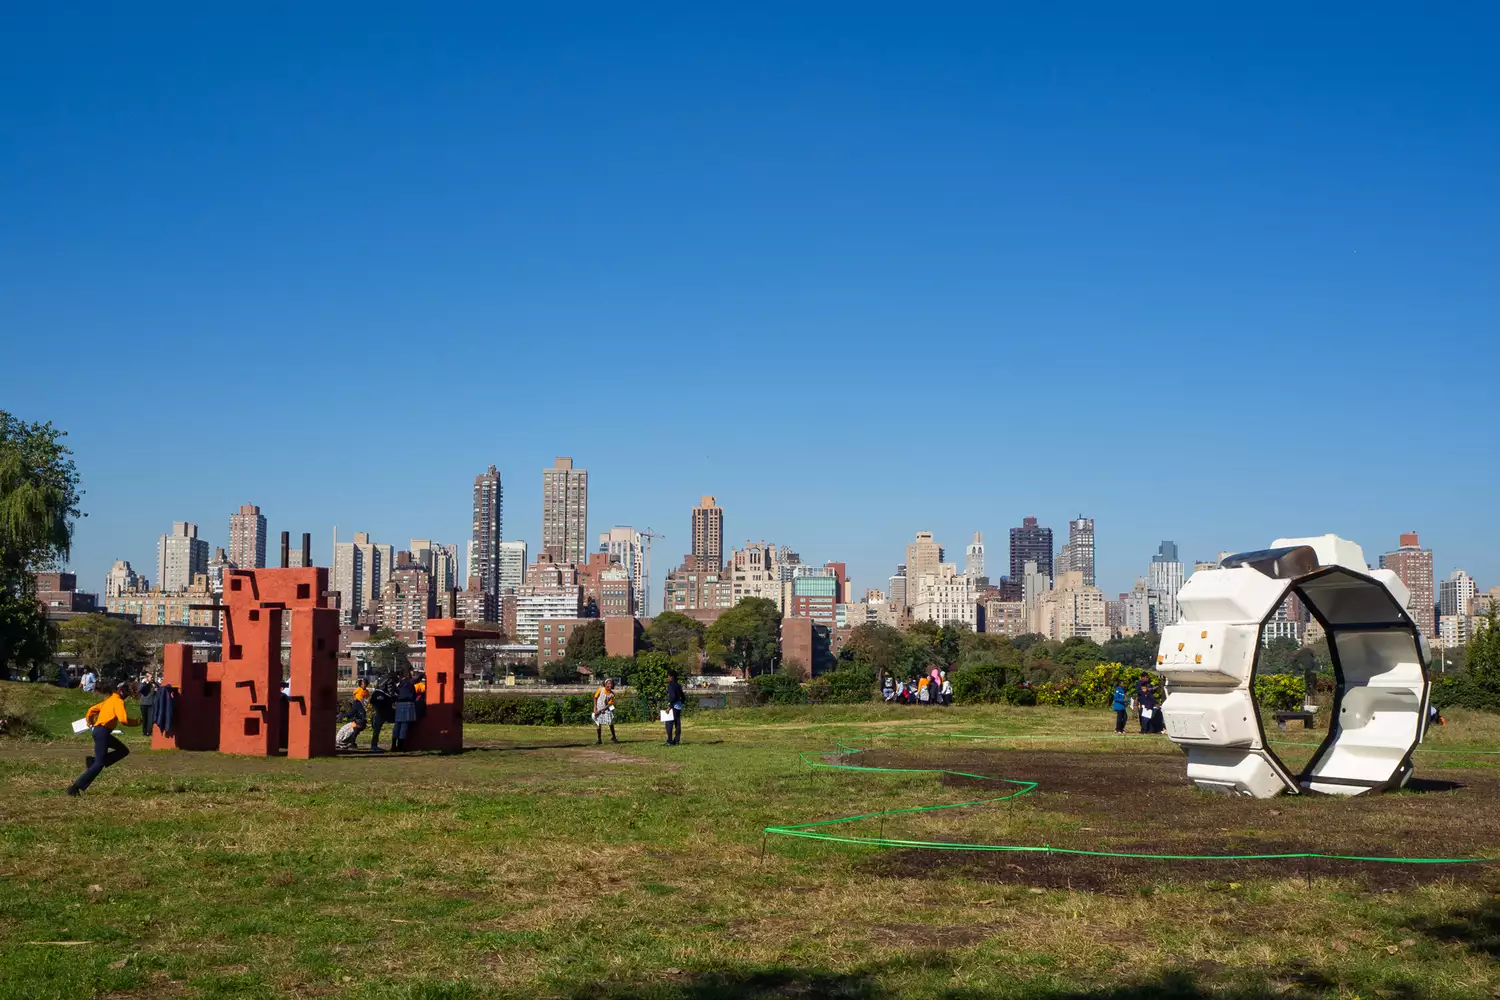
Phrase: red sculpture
(235, 705)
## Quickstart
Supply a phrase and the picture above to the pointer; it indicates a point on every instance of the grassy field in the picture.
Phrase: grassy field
(539, 865)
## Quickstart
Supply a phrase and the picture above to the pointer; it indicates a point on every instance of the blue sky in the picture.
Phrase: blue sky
(1204, 274)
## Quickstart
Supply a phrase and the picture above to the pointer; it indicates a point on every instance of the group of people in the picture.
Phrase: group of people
(1146, 702)
(932, 688)
(399, 700)
(671, 717)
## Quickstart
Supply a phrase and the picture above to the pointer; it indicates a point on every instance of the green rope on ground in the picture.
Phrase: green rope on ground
(815, 830)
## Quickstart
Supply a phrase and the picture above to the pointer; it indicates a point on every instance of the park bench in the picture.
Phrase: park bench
(1282, 718)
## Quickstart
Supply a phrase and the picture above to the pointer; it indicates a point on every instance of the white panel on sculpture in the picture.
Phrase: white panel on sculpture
(1219, 718)
(1331, 549)
(1208, 652)
(1399, 591)
(1229, 595)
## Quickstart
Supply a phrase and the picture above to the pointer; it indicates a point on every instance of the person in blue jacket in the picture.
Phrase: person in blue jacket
(1121, 706)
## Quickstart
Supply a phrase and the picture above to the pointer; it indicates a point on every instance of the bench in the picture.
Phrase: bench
(1282, 718)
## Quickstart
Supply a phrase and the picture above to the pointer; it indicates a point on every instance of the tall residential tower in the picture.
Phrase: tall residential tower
(708, 534)
(484, 547)
(565, 512)
(247, 537)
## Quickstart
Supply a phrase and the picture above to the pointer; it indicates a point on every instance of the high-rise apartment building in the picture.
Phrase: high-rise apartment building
(565, 511)
(974, 557)
(1413, 564)
(626, 546)
(441, 563)
(1138, 608)
(923, 557)
(1035, 585)
(1078, 554)
(180, 556)
(1456, 594)
(755, 571)
(484, 544)
(1075, 609)
(1030, 543)
(895, 594)
(218, 568)
(708, 534)
(122, 580)
(360, 571)
(1163, 581)
(407, 599)
(512, 565)
(945, 597)
(247, 537)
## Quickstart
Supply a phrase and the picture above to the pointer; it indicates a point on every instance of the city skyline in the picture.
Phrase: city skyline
(1130, 569)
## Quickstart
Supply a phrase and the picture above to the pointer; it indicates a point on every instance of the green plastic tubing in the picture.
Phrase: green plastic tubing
(818, 830)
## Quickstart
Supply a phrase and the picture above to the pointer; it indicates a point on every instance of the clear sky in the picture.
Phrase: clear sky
(1203, 274)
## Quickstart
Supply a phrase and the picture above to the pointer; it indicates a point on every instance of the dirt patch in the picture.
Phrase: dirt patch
(1143, 804)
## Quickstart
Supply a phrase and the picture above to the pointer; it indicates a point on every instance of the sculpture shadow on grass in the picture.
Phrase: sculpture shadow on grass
(780, 982)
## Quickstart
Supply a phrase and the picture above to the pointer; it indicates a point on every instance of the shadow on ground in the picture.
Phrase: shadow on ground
(1292, 983)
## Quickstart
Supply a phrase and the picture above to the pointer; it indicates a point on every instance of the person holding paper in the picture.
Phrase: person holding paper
(1146, 696)
(673, 714)
(108, 751)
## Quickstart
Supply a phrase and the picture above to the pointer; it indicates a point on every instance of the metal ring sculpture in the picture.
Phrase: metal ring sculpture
(1208, 660)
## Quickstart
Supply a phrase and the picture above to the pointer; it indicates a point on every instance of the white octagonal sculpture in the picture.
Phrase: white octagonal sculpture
(1208, 662)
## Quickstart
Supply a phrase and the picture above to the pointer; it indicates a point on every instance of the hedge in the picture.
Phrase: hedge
(569, 710)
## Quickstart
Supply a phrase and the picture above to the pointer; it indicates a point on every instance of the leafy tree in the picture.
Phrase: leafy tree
(747, 637)
(1023, 643)
(561, 671)
(1076, 651)
(649, 678)
(1279, 656)
(388, 652)
(678, 636)
(950, 640)
(924, 647)
(112, 647)
(878, 647)
(1137, 651)
(586, 644)
(38, 505)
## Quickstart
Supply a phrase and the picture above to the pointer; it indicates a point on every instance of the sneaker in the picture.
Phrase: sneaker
(74, 791)
(377, 750)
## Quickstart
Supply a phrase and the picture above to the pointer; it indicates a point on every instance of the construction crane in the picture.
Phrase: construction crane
(646, 537)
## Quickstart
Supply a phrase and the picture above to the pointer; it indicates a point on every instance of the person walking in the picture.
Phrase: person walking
(604, 711)
(1146, 697)
(383, 707)
(108, 751)
(406, 711)
(675, 701)
(1120, 703)
(89, 681)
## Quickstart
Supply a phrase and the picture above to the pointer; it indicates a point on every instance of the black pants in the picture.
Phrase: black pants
(375, 728)
(674, 726)
(108, 752)
(1120, 715)
(1149, 725)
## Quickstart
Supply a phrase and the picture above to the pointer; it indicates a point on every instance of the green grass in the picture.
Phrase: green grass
(538, 865)
(49, 708)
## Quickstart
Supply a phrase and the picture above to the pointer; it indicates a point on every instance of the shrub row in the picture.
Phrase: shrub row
(569, 710)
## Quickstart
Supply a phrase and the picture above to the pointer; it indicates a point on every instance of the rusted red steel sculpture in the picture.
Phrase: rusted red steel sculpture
(235, 705)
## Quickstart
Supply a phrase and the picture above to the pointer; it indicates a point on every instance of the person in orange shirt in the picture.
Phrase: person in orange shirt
(108, 751)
